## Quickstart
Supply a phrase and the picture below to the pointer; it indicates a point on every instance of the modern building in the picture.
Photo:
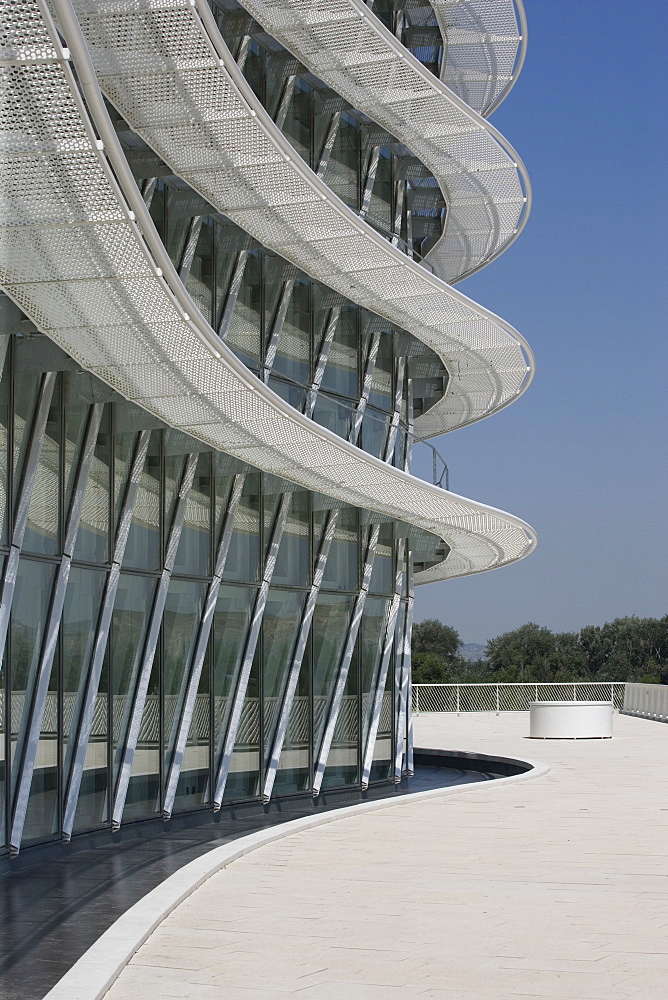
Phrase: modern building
(230, 237)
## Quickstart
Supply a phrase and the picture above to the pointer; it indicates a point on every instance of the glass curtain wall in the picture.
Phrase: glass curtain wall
(133, 667)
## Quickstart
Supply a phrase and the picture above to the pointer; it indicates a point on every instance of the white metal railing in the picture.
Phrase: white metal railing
(511, 697)
(647, 701)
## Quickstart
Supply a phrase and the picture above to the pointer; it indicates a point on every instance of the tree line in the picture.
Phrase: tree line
(626, 649)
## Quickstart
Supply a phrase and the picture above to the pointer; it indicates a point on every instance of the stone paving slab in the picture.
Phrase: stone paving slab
(553, 888)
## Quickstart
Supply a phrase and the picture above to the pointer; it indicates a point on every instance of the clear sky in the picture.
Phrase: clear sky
(582, 456)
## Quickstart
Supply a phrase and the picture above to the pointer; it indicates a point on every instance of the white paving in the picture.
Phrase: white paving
(555, 887)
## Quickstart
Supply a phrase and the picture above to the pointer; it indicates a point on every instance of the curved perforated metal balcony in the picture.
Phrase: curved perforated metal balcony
(83, 260)
(167, 70)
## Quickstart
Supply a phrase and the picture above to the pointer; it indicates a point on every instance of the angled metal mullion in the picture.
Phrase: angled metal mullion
(190, 685)
(334, 706)
(396, 413)
(381, 678)
(38, 685)
(398, 212)
(328, 144)
(276, 746)
(321, 363)
(370, 180)
(230, 725)
(139, 683)
(367, 381)
(404, 704)
(77, 743)
(36, 433)
(277, 327)
(410, 425)
(188, 254)
(242, 52)
(148, 190)
(227, 310)
(284, 102)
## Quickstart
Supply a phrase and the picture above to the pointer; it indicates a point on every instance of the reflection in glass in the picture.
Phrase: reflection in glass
(92, 540)
(382, 576)
(130, 618)
(143, 547)
(183, 611)
(280, 625)
(243, 557)
(82, 605)
(43, 515)
(29, 611)
(370, 643)
(231, 622)
(341, 570)
(4, 446)
(193, 554)
(293, 562)
(331, 622)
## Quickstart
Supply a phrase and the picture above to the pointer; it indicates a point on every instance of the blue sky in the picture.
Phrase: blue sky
(582, 456)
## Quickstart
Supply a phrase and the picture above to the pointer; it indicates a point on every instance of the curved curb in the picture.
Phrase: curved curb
(98, 968)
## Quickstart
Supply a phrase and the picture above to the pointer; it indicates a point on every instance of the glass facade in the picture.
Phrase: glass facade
(157, 663)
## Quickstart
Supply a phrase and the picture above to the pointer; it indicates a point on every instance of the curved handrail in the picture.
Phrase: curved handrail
(246, 168)
(484, 182)
(166, 357)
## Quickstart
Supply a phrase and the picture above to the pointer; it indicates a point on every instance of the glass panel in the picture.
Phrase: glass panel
(231, 622)
(333, 414)
(280, 625)
(342, 174)
(200, 279)
(292, 394)
(341, 370)
(370, 641)
(143, 798)
(157, 208)
(143, 547)
(193, 554)
(380, 207)
(382, 576)
(43, 515)
(374, 432)
(293, 357)
(382, 393)
(382, 751)
(92, 543)
(331, 621)
(133, 603)
(297, 125)
(193, 787)
(4, 445)
(25, 397)
(4, 710)
(244, 334)
(341, 570)
(293, 562)
(243, 557)
(179, 214)
(183, 611)
(342, 763)
(82, 606)
(29, 610)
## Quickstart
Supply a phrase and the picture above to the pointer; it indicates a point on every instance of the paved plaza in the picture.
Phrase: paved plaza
(554, 887)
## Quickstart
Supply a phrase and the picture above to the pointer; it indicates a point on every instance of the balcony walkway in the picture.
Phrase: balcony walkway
(554, 887)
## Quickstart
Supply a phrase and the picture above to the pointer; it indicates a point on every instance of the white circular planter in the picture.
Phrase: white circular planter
(570, 720)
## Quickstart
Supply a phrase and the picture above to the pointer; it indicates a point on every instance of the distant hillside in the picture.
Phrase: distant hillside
(472, 651)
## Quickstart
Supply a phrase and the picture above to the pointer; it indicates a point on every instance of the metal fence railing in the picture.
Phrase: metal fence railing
(647, 701)
(511, 697)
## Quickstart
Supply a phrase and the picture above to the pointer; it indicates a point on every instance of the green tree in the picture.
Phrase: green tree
(628, 649)
(435, 653)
